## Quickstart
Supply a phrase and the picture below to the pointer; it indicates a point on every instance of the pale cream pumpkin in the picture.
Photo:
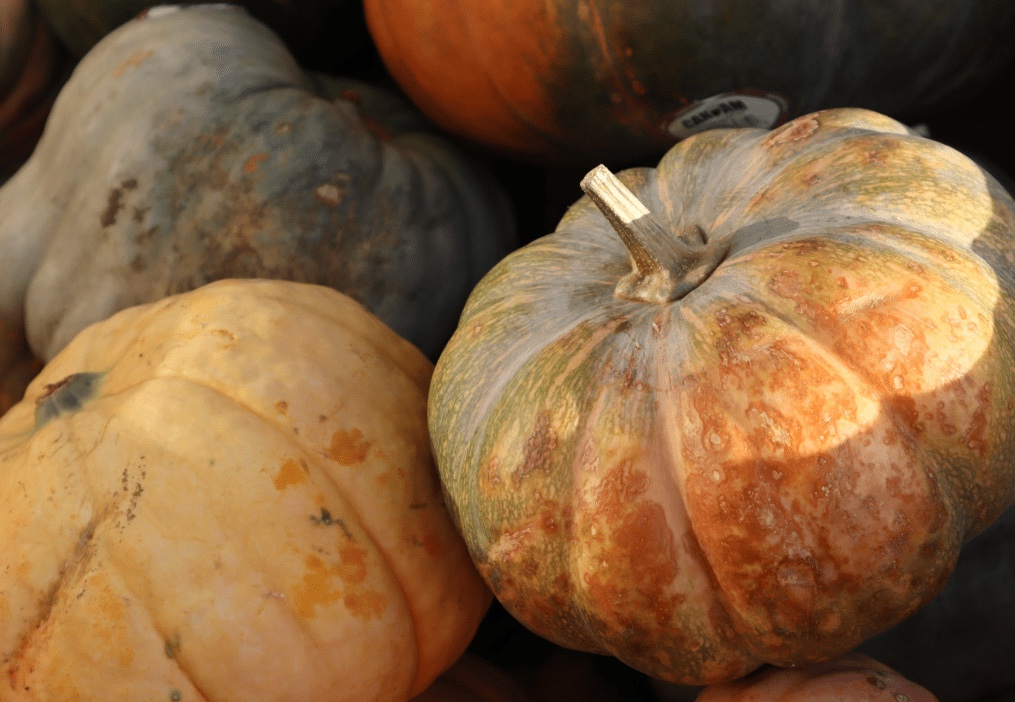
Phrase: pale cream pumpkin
(229, 495)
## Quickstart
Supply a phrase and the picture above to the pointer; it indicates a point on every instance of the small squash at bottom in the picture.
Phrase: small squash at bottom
(853, 677)
(229, 494)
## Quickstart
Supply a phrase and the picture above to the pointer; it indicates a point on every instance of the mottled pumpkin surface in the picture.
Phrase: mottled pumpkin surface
(229, 495)
(593, 81)
(32, 69)
(775, 466)
(239, 165)
(853, 678)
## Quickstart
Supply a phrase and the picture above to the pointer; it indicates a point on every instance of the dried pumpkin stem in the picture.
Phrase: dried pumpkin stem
(664, 267)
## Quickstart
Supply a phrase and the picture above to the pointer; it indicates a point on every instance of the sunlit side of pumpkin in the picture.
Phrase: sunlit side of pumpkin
(755, 419)
(229, 494)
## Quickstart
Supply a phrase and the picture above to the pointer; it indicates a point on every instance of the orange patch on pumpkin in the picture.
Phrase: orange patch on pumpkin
(354, 564)
(133, 61)
(250, 166)
(316, 588)
(431, 544)
(290, 474)
(348, 447)
(367, 604)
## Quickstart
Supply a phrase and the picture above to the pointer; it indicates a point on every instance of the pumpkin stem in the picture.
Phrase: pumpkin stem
(665, 268)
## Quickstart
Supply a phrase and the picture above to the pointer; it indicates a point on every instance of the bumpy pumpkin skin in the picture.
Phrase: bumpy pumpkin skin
(962, 643)
(32, 69)
(777, 465)
(853, 678)
(229, 494)
(322, 33)
(593, 81)
(240, 165)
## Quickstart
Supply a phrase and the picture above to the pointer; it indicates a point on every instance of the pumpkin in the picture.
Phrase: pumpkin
(755, 420)
(229, 494)
(961, 644)
(321, 33)
(32, 68)
(590, 81)
(854, 677)
(472, 679)
(239, 166)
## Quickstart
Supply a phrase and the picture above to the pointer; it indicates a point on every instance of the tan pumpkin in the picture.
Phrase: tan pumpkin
(755, 420)
(229, 494)
(852, 678)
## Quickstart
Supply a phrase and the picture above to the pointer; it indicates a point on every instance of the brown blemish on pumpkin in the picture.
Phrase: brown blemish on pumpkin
(281, 406)
(537, 449)
(289, 475)
(133, 61)
(797, 130)
(251, 164)
(348, 447)
(113, 205)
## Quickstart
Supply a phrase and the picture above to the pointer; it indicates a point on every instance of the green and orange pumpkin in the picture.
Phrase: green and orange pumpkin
(591, 81)
(750, 415)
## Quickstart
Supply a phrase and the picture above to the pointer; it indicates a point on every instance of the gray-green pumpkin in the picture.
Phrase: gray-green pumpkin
(188, 146)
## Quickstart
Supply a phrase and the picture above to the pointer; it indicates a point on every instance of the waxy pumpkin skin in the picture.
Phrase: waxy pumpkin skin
(589, 81)
(229, 494)
(852, 678)
(240, 165)
(773, 467)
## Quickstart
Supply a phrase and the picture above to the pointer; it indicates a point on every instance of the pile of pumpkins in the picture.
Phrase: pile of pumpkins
(300, 401)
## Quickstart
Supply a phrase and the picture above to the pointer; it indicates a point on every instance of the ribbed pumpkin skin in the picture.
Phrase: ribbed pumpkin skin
(243, 507)
(594, 81)
(320, 32)
(32, 69)
(774, 467)
(854, 677)
(240, 165)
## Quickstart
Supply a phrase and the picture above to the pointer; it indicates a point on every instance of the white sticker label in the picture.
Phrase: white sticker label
(737, 109)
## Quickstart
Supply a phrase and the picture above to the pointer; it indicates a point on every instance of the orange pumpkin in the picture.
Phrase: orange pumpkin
(854, 677)
(229, 494)
(754, 419)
